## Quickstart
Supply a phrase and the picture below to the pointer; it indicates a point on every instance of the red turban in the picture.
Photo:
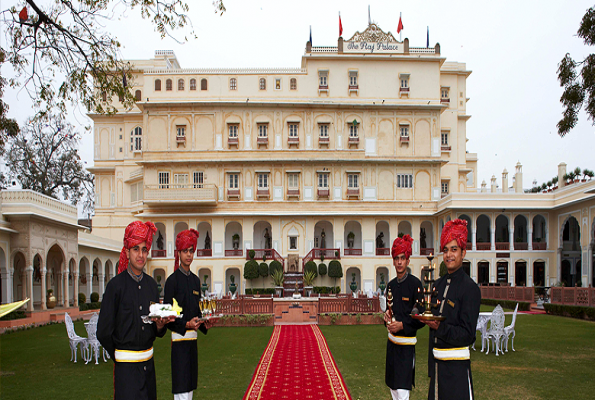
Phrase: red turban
(136, 232)
(454, 230)
(402, 245)
(185, 240)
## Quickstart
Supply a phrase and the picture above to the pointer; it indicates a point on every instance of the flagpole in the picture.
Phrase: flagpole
(400, 33)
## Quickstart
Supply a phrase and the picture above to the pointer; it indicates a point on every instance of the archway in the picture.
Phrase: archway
(404, 228)
(571, 235)
(566, 273)
(159, 276)
(84, 270)
(323, 235)
(483, 272)
(539, 273)
(465, 217)
(467, 267)
(236, 278)
(383, 239)
(353, 238)
(349, 277)
(19, 289)
(202, 272)
(233, 240)
(520, 233)
(159, 241)
(502, 233)
(262, 235)
(482, 234)
(539, 233)
(520, 273)
(4, 279)
(502, 272)
(426, 238)
(204, 243)
(179, 227)
(56, 267)
(382, 272)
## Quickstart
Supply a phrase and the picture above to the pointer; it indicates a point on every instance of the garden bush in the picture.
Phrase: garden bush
(82, 298)
(570, 311)
(274, 266)
(94, 297)
(322, 269)
(311, 266)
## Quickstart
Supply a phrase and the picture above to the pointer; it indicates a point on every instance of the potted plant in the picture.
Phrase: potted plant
(382, 284)
(236, 241)
(577, 173)
(309, 277)
(159, 287)
(232, 286)
(350, 239)
(204, 287)
(353, 283)
(51, 300)
(278, 280)
(589, 173)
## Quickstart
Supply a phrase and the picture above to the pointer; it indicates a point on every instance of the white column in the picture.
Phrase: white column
(558, 264)
(6, 286)
(75, 295)
(89, 284)
(66, 291)
(511, 237)
(589, 267)
(493, 238)
(101, 284)
(29, 287)
(530, 237)
(60, 289)
(44, 272)
(474, 238)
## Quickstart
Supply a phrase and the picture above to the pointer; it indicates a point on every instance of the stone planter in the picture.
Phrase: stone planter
(232, 288)
(308, 290)
(51, 301)
(279, 291)
(353, 286)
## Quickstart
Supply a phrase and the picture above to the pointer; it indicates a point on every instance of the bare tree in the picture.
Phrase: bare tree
(43, 157)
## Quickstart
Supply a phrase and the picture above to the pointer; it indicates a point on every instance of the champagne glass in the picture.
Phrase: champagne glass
(213, 306)
(201, 304)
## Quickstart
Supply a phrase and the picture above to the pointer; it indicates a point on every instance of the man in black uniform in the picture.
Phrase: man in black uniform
(184, 286)
(459, 298)
(406, 291)
(120, 329)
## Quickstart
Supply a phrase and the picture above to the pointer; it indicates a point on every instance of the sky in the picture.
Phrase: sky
(512, 48)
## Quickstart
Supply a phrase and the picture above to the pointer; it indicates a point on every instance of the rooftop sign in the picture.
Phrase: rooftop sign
(373, 40)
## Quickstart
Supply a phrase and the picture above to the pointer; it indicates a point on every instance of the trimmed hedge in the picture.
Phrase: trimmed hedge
(18, 314)
(260, 291)
(263, 269)
(335, 270)
(311, 266)
(578, 312)
(273, 266)
(94, 297)
(322, 269)
(510, 304)
(326, 289)
(96, 305)
(251, 270)
(82, 298)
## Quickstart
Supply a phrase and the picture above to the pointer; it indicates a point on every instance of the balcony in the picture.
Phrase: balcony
(353, 192)
(502, 246)
(469, 246)
(322, 88)
(293, 140)
(382, 251)
(404, 92)
(180, 139)
(233, 141)
(234, 253)
(483, 246)
(323, 192)
(262, 193)
(353, 252)
(445, 100)
(521, 246)
(323, 140)
(539, 246)
(204, 253)
(404, 139)
(353, 88)
(293, 193)
(445, 148)
(354, 140)
(262, 140)
(233, 193)
(158, 253)
(426, 251)
(180, 195)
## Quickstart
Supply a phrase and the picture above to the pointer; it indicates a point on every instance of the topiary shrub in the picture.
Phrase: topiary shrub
(322, 269)
(82, 298)
(275, 266)
(251, 254)
(251, 270)
(263, 270)
(335, 270)
(94, 297)
(311, 266)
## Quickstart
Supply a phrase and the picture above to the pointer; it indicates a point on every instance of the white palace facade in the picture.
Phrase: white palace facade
(364, 141)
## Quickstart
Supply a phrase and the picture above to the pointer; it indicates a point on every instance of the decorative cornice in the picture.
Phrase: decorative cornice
(373, 33)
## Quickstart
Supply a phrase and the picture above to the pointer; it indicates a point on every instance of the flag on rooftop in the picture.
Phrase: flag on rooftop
(428, 38)
(310, 35)
(400, 27)
(340, 26)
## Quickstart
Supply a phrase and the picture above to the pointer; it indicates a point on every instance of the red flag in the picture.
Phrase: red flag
(23, 15)
(340, 26)
(400, 27)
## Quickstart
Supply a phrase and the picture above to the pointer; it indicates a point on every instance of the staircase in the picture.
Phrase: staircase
(289, 284)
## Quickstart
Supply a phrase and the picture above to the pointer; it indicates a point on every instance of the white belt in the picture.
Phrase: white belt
(457, 353)
(402, 340)
(133, 356)
(176, 337)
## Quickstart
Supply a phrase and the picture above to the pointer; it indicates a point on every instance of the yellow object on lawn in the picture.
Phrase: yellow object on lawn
(10, 307)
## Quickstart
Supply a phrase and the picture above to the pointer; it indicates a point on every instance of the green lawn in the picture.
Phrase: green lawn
(555, 359)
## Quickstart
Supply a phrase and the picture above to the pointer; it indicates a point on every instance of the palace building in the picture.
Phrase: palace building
(364, 141)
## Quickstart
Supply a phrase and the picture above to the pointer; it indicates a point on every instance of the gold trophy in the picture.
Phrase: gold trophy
(427, 277)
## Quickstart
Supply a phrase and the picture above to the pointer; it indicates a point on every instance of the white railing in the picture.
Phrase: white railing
(324, 49)
(234, 71)
(422, 50)
(175, 192)
(164, 53)
(22, 197)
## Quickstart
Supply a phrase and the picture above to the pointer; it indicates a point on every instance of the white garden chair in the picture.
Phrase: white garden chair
(482, 327)
(74, 339)
(496, 329)
(92, 342)
(510, 330)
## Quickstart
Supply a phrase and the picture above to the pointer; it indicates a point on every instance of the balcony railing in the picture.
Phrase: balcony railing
(233, 140)
(323, 139)
(483, 246)
(353, 139)
(469, 246)
(502, 246)
(329, 254)
(179, 194)
(293, 140)
(353, 252)
(539, 245)
(405, 139)
(445, 100)
(181, 139)
(262, 140)
(521, 246)
(445, 148)
(270, 254)
(426, 251)
(204, 253)
(323, 192)
(382, 251)
(404, 89)
(262, 193)
(233, 193)
(293, 193)
(353, 192)
(234, 253)
(158, 253)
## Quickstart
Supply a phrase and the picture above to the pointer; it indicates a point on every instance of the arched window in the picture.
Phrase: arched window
(168, 84)
(137, 95)
(157, 85)
(233, 84)
(180, 84)
(262, 84)
(136, 139)
(203, 84)
(192, 84)
(293, 84)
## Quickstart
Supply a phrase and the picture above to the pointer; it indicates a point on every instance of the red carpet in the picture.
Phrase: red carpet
(296, 365)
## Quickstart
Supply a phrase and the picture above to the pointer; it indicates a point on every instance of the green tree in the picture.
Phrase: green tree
(335, 270)
(61, 52)
(263, 270)
(251, 270)
(43, 157)
(578, 79)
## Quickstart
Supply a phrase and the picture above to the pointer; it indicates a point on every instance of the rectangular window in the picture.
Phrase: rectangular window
(233, 181)
(352, 130)
(323, 181)
(293, 84)
(181, 131)
(136, 192)
(180, 181)
(292, 243)
(192, 84)
(444, 138)
(404, 83)
(293, 130)
(233, 84)
(233, 131)
(293, 181)
(262, 130)
(352, 79)
(164, 180)
(323, 79)
(263, 181)
(444, 188)
(199, 180)
(404, 180)
(353, 181)
(277, 83)
(404, 130)
(323, 130)
(444, 93)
